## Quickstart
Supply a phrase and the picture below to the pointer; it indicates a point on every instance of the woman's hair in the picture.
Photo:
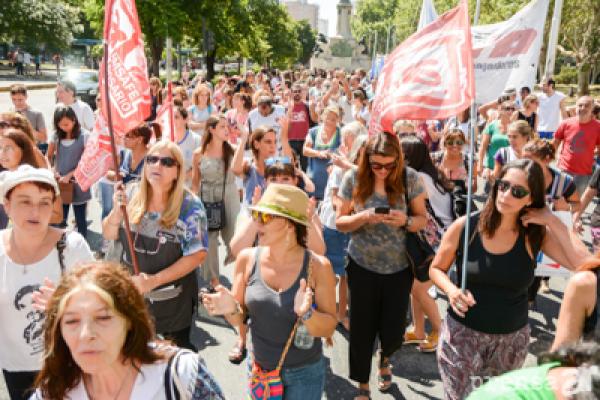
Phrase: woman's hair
(491, 218)
(581, 354)
(521, 127)
(540, 148)
(113, 285)
(403, 123)
(301, 233)
(182, 111)
(386, 145)
(529, 99)
(359, 94)
(246, 100)
(416, 156)
(138, 206)
(353, 129)
(200, 89)
(257, 135)
(146, 130)
(211, 123)
(21, 140)
(154, 81)
(358, 145)
(18, 121)
(181, 92)
(66, 112)
(454, 133)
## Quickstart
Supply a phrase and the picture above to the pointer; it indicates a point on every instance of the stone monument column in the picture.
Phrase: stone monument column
(344, 9)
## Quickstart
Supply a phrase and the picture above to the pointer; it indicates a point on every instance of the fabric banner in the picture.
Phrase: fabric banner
(547, 266)
(507, 53)
(165, 117)
(96, 158)
(128, 83)
(428, 14)
(429, 75)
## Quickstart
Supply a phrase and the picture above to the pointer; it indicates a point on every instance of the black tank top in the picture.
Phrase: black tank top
(530, 120)
(499, 284)
(591, 327)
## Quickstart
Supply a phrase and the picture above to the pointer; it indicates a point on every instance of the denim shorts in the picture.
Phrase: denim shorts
(337, 249)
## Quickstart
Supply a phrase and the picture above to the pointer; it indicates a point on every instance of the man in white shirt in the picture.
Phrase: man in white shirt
(66, 94)
(551, 109)
(267, 114)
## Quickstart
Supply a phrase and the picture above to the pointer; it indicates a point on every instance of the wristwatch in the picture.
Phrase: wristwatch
(408, 223)
(307, 315)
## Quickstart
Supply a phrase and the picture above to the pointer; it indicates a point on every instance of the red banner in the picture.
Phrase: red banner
(429, 75)
(164, 116)
(127, 69)
(96, 158)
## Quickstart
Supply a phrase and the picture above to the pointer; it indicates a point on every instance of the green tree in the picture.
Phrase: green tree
(580, 38)
(307, 39)
(36, 24)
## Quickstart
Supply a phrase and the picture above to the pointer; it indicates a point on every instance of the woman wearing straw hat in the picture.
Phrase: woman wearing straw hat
(278, 284)
(32, 254)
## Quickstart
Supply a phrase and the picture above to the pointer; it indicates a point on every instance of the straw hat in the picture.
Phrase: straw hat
(285, 201)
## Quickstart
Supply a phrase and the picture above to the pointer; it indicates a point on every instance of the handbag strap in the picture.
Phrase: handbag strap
(405, 184)
(61, 245)
(297, 323)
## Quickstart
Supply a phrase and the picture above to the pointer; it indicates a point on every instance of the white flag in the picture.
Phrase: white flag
(428, 14)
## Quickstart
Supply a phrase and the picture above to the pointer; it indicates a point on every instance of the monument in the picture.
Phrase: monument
(342, 51)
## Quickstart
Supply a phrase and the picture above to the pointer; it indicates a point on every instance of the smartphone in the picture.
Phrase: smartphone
(382, 210)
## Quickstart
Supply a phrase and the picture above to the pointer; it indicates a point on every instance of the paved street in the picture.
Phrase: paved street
(415, 374)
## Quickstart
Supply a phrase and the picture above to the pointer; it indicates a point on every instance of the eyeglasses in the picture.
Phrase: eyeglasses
(296, 91)
(131, 137)
(454, 142)
(167, 162)
(274, 160)
(262, 217)
(388, 167)
(517, 191)
(4, 124)
(508, 109)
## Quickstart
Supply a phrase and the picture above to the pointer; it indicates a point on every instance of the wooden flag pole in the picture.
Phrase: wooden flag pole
(113, 149)
(171, 119)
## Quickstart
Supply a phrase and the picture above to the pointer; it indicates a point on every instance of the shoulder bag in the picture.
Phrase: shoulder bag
(215, 211)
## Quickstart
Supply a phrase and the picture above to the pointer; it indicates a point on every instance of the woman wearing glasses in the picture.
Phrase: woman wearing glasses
(494, 138)
(373, 209)
(170, 239)
(214, 182)
(277, 284)
(452, 161)
(486, 331)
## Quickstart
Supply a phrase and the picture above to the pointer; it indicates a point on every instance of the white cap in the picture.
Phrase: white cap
(25, 173)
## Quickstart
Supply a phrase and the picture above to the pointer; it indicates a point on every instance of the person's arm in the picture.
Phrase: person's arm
(314, 239)
(312, 109)
(41, 134)
(497, 166)
(588, 195)
(112, 222)
(286, 149)
(535, 123)
(309, 185)
(578, 302)
(237, 164)
(560, 243)
(308, 150)
(515, 116)
(50, 153)
(323, 320)
(196, 178)
(483, 110)
(485, 143)
(244, 237)
(563, 109)
(558, 138)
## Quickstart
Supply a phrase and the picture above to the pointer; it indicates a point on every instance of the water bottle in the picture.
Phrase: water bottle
(303, 340)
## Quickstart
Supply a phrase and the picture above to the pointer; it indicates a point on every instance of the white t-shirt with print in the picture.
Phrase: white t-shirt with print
(22, 327)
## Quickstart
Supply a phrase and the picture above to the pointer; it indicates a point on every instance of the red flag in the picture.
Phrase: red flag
(127, 71)
(164, 116)
(96, 158)
(429, 75)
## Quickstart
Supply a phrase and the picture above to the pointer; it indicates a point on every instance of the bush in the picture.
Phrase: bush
(567, 75)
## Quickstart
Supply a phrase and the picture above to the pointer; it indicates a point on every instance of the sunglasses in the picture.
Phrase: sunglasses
(131, 137)
(167, 162)
(274, 160)
(517, 191)
(508, 109)
(388, 167)
(454, 142)
(262, 217)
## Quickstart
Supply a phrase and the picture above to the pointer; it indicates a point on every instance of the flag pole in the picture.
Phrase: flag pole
(553, 39)
(113, 149)
(171, 118)
(473, 117)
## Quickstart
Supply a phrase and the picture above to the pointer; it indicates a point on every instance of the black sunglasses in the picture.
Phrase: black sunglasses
(388, 167)
(454, 142)
(167, 162)
(517, 191)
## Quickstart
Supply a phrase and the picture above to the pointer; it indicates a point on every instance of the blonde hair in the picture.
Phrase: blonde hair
(403, 123)
(138, 206)
(521, 127)
(529, 99)
(199, 89)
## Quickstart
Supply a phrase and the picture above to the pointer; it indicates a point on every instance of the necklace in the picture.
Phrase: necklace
(121, 386)
(14, 245)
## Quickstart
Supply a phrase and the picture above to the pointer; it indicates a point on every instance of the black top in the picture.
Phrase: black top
(499, 284)
(530, 120)
(591, 328)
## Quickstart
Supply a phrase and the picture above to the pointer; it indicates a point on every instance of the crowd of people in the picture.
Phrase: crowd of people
(278, 169)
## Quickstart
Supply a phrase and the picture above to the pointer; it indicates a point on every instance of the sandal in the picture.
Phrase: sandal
(237, 354)
(411, 338)
(384, 380)
(430, 344)
(363, 393)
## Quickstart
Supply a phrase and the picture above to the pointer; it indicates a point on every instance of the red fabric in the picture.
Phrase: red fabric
(579, 144)
(429, 75)
(299, 123)
(96, 158)
(129, 88)
(165, 117)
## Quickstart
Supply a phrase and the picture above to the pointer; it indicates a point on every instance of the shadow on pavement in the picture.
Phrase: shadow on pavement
(337, 387)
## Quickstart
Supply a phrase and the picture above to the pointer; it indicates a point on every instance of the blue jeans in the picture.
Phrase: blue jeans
(304, 383)
(549, 135)
(337, 249)
(80, 218)
(106, 197)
